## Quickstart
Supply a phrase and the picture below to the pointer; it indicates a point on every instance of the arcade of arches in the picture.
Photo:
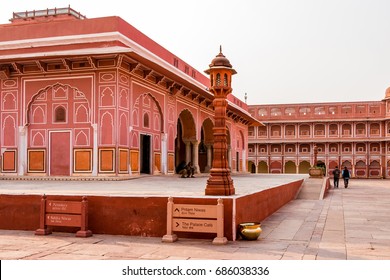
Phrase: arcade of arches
(199, 152)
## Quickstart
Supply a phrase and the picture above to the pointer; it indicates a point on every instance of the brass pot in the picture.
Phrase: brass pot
(249, 231)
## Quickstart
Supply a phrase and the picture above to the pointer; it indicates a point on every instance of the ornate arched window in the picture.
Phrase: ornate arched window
(146, 120)
(60, 114)
(218, 80)
(225, 80)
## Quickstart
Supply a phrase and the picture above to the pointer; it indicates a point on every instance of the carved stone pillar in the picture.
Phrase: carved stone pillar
(95, 150)
(164, 153)
(209, 157)
(188, 151)
(22, 151)
(244, 158)
(195, 155)
(221, 71)
(229, 156)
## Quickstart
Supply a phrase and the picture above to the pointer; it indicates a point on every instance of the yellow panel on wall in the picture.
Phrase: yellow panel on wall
(106, 160)
(83, 160)
(9, 161)
(157, 162)
(171, 162)
(36, 161)
(134, 160)
(123, 160)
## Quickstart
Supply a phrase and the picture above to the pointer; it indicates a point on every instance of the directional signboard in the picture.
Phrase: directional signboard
(195, 225)
(195, 211)
(195, 218)
(63, 220)
(72, 207)
(65, 214)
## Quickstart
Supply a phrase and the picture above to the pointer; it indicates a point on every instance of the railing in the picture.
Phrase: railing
(47, 12)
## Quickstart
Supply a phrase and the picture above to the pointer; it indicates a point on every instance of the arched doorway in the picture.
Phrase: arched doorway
(251, 167)
(374, 169)
(145, 153)
(304, 167)
(241, 153)
(206, 146)
(186, 135)
(262, 167)
(148, 117)
(276, 167)
(290, 167)
(59, 129)
(360, 169)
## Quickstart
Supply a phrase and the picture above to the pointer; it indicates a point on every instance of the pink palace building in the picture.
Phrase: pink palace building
(353, 134)
(96, 97)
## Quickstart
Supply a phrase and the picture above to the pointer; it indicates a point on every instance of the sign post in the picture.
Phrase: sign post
(64, 214)
(195, 218)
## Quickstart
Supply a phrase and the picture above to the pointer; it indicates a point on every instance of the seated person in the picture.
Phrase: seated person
(190, 170)
(182, 169)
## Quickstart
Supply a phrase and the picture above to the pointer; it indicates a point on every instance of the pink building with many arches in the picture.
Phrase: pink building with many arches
(352, 134)
(96, 97)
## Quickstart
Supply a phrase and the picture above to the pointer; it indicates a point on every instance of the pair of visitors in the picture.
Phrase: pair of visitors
(345, 174)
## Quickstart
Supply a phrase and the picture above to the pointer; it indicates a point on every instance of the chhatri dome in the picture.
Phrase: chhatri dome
(220, 61)
(387, 95)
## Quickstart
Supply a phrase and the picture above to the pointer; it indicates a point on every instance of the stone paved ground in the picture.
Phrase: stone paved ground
(352, 224)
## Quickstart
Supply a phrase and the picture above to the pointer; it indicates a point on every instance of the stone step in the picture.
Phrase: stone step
(312, 188)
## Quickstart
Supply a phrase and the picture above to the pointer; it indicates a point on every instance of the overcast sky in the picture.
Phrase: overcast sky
(285, 51)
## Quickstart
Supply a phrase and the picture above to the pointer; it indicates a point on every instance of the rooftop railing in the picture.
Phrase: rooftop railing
(46, 13)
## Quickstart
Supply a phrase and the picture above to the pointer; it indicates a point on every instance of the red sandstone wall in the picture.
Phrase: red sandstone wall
(144, 216)
(258, 206)
(19, 212)
(136, 216)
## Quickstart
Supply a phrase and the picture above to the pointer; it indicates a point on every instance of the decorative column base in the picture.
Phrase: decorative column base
(220, 241)
(84, 233)
(43, 231)
(219, 183)
(169, 238)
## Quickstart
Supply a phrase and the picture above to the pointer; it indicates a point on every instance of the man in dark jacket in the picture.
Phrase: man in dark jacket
(336, 177)
(346, 175)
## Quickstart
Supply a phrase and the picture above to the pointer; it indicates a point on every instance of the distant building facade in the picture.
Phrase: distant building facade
(96, 97)
(352, 134)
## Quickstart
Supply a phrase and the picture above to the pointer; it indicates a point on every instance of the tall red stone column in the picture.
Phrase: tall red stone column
(220, 71)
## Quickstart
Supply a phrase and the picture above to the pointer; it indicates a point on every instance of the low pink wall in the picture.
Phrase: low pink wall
(258, 206)
(144, 216)
(136, 216)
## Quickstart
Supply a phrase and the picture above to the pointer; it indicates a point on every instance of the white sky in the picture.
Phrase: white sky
(285, 51)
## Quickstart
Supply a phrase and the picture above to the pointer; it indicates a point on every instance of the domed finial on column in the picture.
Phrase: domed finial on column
(220, 48)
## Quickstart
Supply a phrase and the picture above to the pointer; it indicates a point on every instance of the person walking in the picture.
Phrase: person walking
(346, 175)
(336, 176)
